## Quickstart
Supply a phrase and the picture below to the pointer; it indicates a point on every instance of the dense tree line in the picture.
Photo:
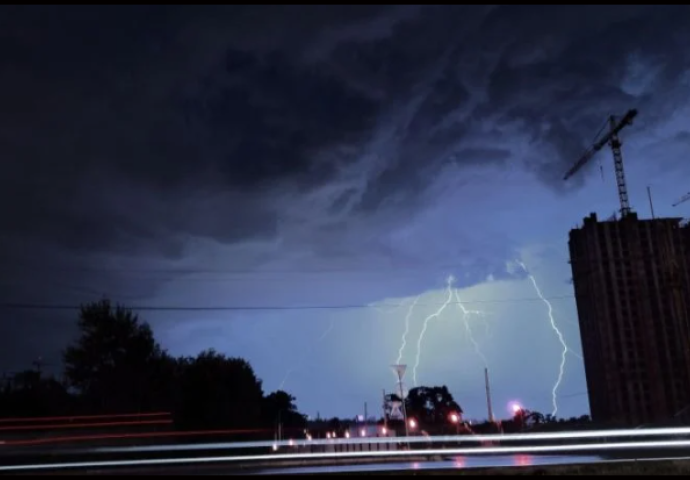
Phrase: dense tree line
(116, 366)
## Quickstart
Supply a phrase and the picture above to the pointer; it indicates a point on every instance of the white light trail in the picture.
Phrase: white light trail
(465, 318)
(403, 342)
(504, 438)
(542, 449)
(449, 281)
(304, 355)
(561, 338)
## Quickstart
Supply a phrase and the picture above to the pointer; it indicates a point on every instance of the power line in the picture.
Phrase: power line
(182, 308)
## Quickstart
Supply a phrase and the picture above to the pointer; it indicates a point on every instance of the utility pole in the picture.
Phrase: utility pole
(488, 395)
(651, 204)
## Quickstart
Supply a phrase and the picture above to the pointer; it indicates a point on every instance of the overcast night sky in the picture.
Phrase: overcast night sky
(338, 157)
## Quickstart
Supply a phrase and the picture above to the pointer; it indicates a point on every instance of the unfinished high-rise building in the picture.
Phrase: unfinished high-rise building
(633, 300)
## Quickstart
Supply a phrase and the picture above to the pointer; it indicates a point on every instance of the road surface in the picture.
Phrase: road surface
(451, 464)
(458, 463)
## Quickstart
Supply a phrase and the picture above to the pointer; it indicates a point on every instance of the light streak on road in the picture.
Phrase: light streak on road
(83, 417)
(541, 449)
(63, 426)
(504, 438)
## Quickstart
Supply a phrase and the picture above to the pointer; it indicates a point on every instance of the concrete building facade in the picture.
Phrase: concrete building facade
(632, 292)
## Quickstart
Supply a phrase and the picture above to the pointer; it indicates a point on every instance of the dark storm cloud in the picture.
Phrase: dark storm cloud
(316, 135)
(567, 76)
(274, 118)
(131, 129)
(480, 156)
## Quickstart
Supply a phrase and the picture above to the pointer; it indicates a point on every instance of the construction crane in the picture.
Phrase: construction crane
(615, 126)
(683, 199)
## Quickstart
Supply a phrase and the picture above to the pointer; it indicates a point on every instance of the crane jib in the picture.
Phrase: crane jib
(610, 138)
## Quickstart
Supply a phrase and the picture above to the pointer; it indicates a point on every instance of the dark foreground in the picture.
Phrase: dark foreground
(662, 461)
(480, 466)
(666, 467)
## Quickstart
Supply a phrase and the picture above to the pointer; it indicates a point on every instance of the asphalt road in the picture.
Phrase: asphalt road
(371, 466)
(458, 463)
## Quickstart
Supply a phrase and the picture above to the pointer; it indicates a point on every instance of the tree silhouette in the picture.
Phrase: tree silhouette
(431, 405)
(29, 394)
(217, 392)
(279, 408)
(116, 364)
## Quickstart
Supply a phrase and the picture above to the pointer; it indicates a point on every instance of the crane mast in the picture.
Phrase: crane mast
(611, 138)
(683, 199)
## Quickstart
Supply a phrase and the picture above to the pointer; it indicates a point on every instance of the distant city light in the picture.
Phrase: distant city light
(347, 434)
(412, 423)
(454, 418)
(384, 431)
(363, 433)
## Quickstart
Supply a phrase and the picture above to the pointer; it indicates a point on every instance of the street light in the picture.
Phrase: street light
(519, 415)
(412, 424)
(455, 419)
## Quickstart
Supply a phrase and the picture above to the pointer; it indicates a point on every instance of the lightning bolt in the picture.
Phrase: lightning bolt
(465, 319)
(561, 339)
(403, 341)
(449, 281)
(304, 355)
(573, 352)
